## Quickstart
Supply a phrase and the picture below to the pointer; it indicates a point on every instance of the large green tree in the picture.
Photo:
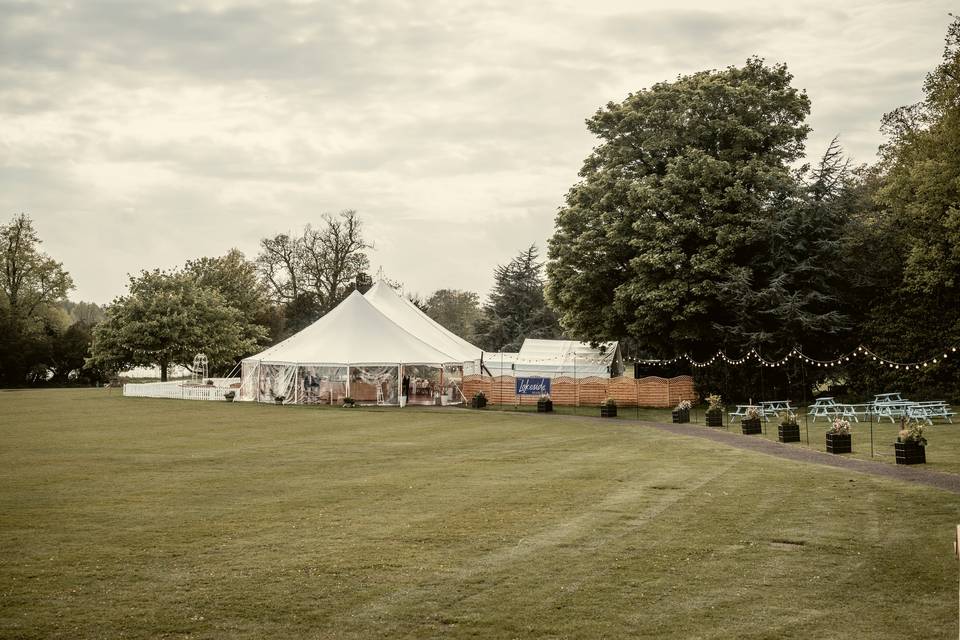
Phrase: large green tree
(456, 310)
(32, 284)
(516, 308)
(680, 193)
(795, 292)
(168, 318)
(239, 282)
(915, 227)
(235, 278)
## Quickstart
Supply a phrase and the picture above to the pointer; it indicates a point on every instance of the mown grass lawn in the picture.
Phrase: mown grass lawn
(163, 518)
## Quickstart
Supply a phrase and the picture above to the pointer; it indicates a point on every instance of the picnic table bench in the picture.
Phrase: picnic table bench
(824, 407)
(888, 397)
(775, 407)
(884, 405)
(766, 408)
(855, 411)
(891, 408)
(929, 410)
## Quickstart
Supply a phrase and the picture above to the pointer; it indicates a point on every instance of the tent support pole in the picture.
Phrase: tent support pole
(399, 382)
(348, 382)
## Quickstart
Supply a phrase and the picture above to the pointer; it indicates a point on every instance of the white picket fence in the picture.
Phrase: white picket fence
(180, 390)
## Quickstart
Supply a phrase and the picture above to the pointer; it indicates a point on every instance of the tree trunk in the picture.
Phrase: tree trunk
(163, 371)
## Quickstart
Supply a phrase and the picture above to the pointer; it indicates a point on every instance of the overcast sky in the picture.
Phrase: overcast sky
(139, 135)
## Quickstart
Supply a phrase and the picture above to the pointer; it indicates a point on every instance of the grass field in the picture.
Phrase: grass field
(161, 518)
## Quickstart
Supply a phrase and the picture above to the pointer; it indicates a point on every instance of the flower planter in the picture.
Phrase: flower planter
(788, 433)
(681, 415)
(544, 406)
(750, 426)
(714, 419)
(839, 443)
(910, 453)
(608, 411)
(478, 402)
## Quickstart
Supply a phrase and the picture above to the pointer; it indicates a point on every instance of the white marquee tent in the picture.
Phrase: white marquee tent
(379, 348)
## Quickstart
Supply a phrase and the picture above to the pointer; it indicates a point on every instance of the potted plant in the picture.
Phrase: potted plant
(750, 423)
(609, 408)
(230, 395)
(838, 436)
(279, 399)
(714, 414)
(479, 400)
(349, 402)
(789, 429)
(911, 444)
(681, 413)
(544, 404)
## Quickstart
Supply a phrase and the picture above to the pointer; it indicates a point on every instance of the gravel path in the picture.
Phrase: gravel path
(912, 473)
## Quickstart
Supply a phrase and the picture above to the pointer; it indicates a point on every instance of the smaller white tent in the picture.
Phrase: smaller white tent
(553, 359)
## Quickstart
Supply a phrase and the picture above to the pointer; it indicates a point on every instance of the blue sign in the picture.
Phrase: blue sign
(533, 386)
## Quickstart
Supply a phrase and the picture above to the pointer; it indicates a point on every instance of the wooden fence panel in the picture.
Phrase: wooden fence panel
(651, 391)
(623, 391)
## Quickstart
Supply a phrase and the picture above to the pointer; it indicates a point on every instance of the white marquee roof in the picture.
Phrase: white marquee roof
(560, 351)
(407, 315)
(553, 358)
(355, 332)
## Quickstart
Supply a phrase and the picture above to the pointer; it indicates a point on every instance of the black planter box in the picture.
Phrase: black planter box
(839, 443)
(544, 406)
(910, 453)
(714, 419)
(788, 433)
(750, 426)
(608, 411)
(478, 402)
(680, 416)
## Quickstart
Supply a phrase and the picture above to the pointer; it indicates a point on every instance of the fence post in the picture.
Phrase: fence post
(956, 553)
(576, 385)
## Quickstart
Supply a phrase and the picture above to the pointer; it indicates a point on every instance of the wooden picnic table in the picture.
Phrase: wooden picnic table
(929, 410)
(741, 411)
(775, 407)
(891, 408)
(888, 397)
(823, 407)
(855, 411)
